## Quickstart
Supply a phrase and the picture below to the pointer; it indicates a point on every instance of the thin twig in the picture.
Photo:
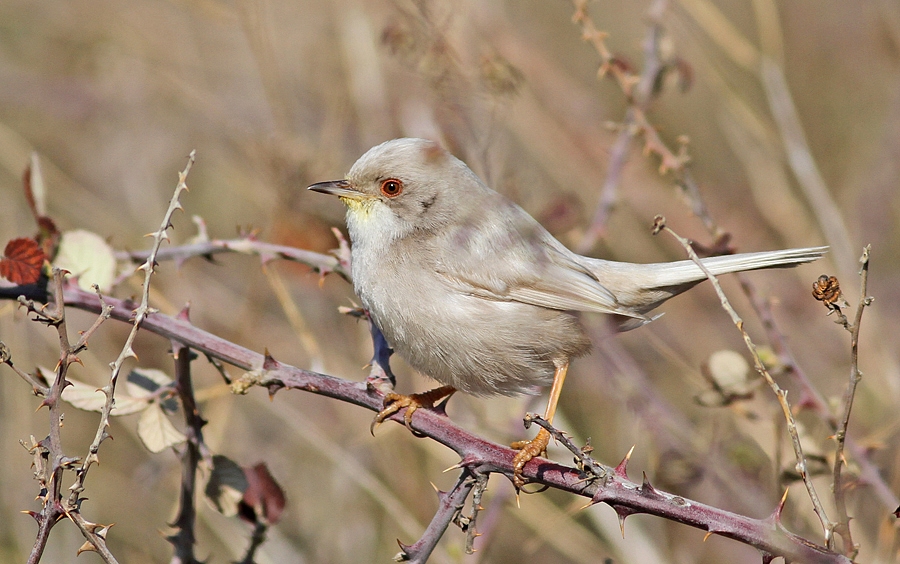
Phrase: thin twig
(471, 521)
(843, 524)
(582, 455)
(40, 388)
(827, 524)
(95, 535)
(140, 314)
(245, 245)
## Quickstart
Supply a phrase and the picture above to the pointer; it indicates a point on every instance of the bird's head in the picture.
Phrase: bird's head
(404, 186)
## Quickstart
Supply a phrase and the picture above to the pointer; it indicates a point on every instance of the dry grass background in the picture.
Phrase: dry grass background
(276, 95)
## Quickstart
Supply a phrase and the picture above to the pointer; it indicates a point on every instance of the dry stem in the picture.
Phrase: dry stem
(827, 525)
(842, 527)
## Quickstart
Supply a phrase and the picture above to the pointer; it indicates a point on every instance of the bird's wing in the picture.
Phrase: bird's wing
(517, 260)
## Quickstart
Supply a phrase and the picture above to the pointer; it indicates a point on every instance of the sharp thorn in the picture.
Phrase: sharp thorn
(621, 468)
(776, 515)
(454, 467)
(646, 486)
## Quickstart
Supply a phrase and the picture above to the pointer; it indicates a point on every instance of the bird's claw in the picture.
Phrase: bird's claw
(528, 450)
(394, 402)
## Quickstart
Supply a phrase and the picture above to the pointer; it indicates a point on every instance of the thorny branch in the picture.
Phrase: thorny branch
(827, 525)
(139, 315)
(477, 455)
(50, 461)
(193, 450)
(450, 507)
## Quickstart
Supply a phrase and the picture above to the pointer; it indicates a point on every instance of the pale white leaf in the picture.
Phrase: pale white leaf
(88, 256)
(84, 396)
(126, 405)
(156, 431)
(91, 398)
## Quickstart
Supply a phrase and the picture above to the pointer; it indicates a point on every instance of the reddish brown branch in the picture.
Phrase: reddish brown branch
(449, 508)
(478, 455)
(49, 459)
(183, 539)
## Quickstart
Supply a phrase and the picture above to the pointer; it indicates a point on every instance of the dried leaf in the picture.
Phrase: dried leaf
(87, 256)
(90, 398)
(22, 261)
(156, 431)
(226, 485)
(264, 499)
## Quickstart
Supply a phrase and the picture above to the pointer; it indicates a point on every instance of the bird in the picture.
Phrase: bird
(474, 293)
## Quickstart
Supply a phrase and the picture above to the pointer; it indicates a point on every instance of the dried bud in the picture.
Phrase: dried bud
(828, 291)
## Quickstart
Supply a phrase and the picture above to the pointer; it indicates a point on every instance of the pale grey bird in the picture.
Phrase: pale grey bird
(473, 292)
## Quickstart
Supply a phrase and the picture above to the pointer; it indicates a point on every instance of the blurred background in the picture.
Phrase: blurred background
(792, 111)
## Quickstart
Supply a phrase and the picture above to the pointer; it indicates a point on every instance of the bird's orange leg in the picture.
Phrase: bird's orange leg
(538, 445)
(395, 402)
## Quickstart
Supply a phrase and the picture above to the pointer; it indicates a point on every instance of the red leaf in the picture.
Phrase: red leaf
(263, 498)
(22, 261)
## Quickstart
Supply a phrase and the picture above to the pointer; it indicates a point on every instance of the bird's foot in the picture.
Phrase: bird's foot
(394, 402)
(528, 450)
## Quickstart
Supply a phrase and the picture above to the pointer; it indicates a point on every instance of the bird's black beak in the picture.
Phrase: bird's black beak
(339, 188)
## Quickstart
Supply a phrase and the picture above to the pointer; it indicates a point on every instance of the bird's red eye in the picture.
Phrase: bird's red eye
(391, 187)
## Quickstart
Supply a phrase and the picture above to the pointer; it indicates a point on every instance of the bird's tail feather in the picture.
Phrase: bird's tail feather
(685, 271)
(639, 288)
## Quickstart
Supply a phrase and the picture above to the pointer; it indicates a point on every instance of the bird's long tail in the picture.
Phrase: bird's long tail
(642, 287)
